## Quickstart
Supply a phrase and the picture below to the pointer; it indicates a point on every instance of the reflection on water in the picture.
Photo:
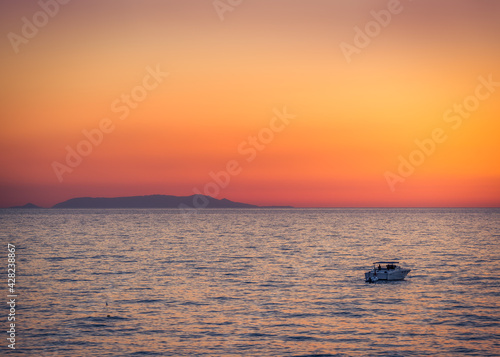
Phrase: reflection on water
(261, 282)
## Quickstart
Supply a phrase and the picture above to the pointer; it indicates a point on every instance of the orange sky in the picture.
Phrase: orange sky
(352, 116)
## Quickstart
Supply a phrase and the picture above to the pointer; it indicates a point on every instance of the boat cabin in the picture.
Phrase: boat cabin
(385, 265)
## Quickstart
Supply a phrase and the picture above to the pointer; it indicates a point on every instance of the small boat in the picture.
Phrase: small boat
(386, 271)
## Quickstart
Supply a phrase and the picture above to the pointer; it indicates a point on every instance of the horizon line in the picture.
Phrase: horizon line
(280, 206)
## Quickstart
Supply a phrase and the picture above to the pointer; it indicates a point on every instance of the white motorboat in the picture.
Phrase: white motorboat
(386, 271)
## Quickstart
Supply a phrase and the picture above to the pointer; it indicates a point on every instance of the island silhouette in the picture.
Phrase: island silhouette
(152, 201)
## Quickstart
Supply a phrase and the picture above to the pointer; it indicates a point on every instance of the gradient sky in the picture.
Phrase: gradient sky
(353, 120)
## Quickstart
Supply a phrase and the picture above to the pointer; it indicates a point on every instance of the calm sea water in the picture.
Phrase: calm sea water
(258, 282)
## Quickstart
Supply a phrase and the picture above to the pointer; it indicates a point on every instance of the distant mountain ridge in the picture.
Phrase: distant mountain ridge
(154, 201)
(27, 205)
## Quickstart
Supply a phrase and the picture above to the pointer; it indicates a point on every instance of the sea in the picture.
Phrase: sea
(251, 282)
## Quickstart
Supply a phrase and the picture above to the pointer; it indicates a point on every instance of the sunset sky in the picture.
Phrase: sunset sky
(314, 103)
